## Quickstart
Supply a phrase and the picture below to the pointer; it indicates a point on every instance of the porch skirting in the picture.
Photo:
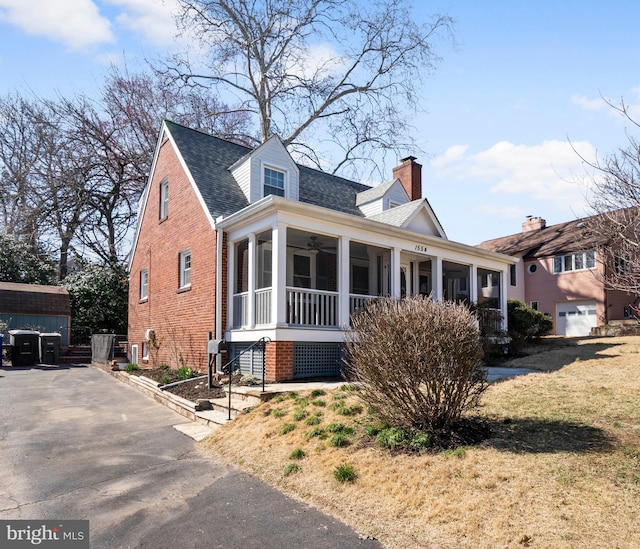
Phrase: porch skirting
(289, 360)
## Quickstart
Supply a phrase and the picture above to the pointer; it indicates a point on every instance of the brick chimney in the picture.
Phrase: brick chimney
(409, 172)
(533, 224)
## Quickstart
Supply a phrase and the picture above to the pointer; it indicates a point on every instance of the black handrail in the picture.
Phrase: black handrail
(263, 343)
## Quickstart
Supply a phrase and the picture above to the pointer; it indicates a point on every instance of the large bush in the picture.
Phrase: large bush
(99, 298)
(525, 324)
(419, 361)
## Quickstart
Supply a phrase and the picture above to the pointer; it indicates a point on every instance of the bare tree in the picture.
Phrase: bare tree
(72, 169)
(21, 141)
(615, 200)
(338, 73)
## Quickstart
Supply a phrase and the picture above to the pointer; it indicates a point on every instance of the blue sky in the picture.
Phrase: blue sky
(523, 82)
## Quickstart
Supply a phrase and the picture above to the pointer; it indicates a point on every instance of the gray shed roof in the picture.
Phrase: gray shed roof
(209, 159)
(398, 216)
(374, 193)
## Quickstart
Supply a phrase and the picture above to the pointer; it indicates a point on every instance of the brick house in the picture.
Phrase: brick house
(559, 274)
(245, 243)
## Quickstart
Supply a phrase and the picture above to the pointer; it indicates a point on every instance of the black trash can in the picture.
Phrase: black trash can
(49, 348)
(25, 347)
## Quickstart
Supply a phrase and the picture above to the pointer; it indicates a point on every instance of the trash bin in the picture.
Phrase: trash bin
(50, 348)
(24, 345)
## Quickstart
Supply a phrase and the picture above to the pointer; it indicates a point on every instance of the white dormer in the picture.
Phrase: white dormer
(381, 198)
(269, 169)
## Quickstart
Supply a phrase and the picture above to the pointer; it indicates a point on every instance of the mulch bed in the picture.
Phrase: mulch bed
(192, 390)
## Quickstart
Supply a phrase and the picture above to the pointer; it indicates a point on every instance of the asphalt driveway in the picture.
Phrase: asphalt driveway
(77, 444)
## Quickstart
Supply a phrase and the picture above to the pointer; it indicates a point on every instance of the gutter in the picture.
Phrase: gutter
(218, 296)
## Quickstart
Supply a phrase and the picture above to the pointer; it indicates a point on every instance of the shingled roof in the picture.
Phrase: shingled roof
(34, 299)
(209, 159)
(562, 238)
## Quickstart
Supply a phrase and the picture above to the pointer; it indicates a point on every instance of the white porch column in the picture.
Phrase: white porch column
(343, 281)
(504, 280)
(279, 275)
(473, 283)
(231, 282)
(251, 282)
(436, 266)
(395, 272)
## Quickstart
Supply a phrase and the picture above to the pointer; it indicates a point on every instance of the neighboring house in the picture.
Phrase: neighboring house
(560, 275)
(245, 244)
(36, 307)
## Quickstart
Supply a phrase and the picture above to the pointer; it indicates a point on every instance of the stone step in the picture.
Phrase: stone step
(212, 417)
(222, 405)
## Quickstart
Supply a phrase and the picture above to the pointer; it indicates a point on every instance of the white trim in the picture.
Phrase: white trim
(145, 285)
(183, 283)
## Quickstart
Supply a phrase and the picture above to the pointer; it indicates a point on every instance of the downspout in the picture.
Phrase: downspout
(219, 292)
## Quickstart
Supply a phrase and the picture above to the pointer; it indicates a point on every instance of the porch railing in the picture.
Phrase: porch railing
(312, 307)
(240, 309)
(357, 302)
(263, 306)
(489, 320)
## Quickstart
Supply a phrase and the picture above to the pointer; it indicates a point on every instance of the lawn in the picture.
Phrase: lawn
(561, 469)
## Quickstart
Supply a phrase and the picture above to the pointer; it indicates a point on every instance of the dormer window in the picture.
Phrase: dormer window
(273, 182)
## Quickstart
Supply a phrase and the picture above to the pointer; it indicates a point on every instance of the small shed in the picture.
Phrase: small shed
(36, 307)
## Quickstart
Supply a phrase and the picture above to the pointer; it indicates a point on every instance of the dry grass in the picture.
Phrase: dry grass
(562, 469)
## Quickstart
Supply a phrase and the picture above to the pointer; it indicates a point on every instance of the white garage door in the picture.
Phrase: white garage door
(575, 318)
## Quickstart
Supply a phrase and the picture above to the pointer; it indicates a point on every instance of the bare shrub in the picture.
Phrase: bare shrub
(419, 361)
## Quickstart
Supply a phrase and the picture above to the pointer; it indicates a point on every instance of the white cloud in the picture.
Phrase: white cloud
(587, 104)
(549, 172)
(76, 23)
(154, 19)
(631, 101)
(452, 154)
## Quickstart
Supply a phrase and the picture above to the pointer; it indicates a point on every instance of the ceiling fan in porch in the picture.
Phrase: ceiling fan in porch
(315, 246)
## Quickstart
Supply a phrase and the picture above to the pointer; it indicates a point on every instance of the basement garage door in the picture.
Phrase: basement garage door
(575, 318)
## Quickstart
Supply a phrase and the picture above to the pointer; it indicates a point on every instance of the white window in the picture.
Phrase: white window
(164, 199)
(574, 262)
(145, 350)
(185, 269)
(534, 305)
(273, 182)
(512, 275)
(144, 284)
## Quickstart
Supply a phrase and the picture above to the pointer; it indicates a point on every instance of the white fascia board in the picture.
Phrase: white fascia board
(326, 335)
(323, 220)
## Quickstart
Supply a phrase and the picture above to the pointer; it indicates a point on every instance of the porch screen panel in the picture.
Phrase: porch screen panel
(317, 360)
(242, 266)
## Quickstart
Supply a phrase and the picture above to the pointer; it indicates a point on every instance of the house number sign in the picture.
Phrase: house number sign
(420, 248)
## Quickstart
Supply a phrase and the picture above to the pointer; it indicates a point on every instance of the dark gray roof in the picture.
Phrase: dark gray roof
(209, 159)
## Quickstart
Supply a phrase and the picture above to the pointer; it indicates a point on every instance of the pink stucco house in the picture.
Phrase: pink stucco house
(559, 274)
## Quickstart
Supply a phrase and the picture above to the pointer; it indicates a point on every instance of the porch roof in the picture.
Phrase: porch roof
(344, 223)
